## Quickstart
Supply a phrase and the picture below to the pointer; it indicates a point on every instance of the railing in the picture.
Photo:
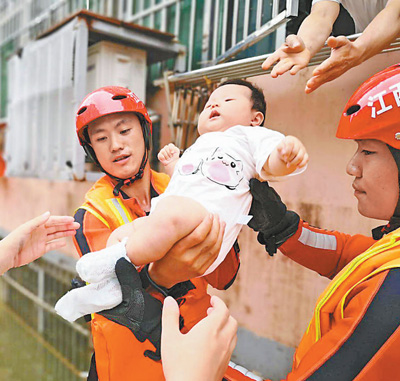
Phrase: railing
(212, 29)
(188, 92)
(209, 29)
(30, 293)
(26, 19)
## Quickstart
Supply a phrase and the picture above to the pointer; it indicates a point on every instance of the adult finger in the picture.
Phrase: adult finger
(316, 81)
(273, 58)
(36, 222)
(233, 326)
(62, 234)
(170, 321)
(295, 69)
(199, 234)
(324, 67)
(337, 42)
(212, 246)
(294, 44)
(54, 245)
(62, 227)
(282, 67)
(219, 311)
(59, 220)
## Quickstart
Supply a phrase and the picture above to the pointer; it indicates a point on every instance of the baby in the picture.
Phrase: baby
(212, 176)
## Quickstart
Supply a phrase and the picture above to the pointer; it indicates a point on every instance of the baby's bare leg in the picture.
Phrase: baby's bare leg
(152, 237)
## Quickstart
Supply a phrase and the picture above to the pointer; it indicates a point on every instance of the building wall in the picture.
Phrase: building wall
(25, 198)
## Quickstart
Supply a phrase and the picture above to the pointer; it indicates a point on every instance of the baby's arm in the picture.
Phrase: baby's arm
(289, 155)
(168, 157)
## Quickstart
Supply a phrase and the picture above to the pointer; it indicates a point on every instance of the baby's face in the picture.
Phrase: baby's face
(228, 106)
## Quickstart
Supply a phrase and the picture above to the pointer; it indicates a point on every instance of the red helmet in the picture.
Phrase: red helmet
(373, 112)
(105, 101)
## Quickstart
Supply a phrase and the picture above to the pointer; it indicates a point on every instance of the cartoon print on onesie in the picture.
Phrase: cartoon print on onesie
(219, 167)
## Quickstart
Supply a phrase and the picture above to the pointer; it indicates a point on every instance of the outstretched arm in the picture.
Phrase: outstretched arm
(345, 54)
(33, 239)
(297, 51)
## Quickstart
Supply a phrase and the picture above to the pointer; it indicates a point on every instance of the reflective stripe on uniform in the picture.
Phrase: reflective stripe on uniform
(245, 371)
(318, 240)
(97, 215)
(119, 210)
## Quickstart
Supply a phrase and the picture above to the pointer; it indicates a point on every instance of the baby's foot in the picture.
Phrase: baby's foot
(99, 265)
(89, 299)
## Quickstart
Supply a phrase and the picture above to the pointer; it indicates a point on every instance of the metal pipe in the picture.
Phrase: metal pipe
(215, 31)
(253, 38)
(248, 67)
(143, 13)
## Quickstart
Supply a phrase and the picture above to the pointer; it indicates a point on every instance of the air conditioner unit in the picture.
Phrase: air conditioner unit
(111, 64)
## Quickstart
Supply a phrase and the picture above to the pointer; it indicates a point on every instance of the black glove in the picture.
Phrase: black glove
(271, 218)
(76, 283)
(139, 311)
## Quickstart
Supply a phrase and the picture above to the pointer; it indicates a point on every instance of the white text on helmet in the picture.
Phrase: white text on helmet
(396, 94)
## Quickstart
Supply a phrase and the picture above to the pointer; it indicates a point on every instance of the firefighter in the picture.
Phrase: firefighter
(114, 128)
(354, 333)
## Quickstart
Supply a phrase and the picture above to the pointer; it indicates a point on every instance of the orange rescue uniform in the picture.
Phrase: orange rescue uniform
(354, 333)
(119, 355)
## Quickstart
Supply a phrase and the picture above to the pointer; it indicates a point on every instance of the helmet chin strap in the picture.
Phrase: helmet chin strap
(394, 222)
(130, 180)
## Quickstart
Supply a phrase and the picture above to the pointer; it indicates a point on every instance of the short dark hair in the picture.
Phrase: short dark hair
(257, 95)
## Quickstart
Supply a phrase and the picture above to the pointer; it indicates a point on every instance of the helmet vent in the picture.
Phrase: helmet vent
(118, 97)
(352, 109)
(82, 110)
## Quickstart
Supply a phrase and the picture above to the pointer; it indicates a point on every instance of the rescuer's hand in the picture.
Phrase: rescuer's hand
(191, 256)
(139, 311)
(345, 54)
(271, 218)
(204, 352)
(292, 56)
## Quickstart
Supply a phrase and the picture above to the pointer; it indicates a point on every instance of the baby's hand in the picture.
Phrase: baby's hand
(292, 152)
(169, 154)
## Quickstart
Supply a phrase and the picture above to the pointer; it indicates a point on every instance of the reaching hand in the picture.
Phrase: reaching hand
(35, 238)
(344, 55)
(204, 352)
(292, 152)
(169, 154)
(292, 56)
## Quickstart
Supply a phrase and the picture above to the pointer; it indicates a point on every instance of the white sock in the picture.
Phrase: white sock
(89, 299)
(99, 265)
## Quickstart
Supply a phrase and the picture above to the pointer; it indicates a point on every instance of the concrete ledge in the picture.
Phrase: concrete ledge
(262, 356)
